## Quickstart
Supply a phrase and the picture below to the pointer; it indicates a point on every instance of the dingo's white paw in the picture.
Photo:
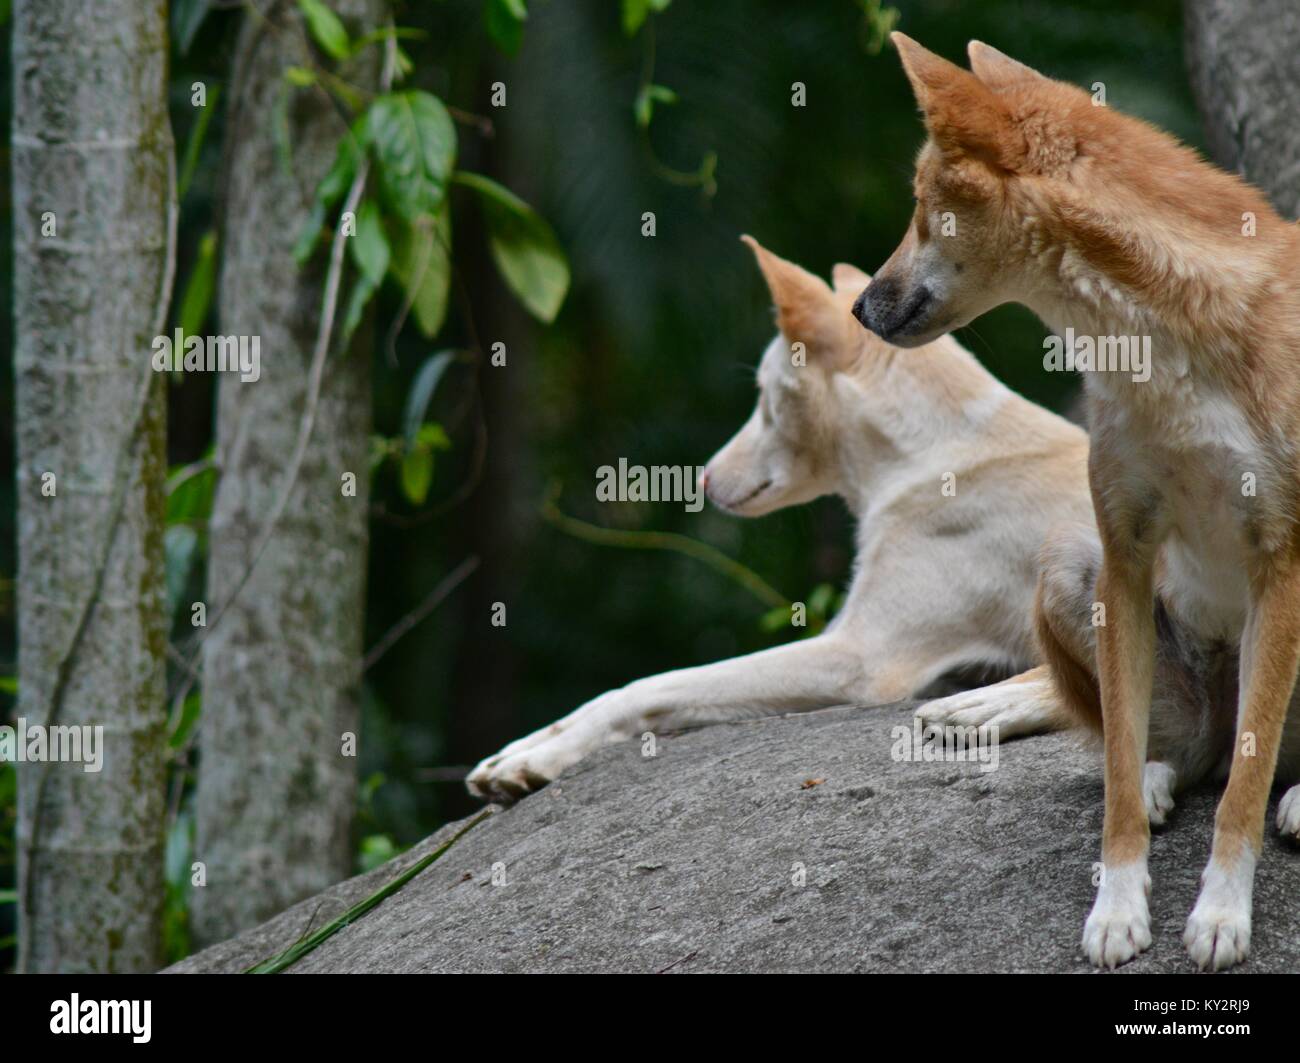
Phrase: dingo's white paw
(1015, 708)
(525, 765)
(1288, 814)
(1218, 930)
(1158, 781)
(1217, 939)
(1119, 925)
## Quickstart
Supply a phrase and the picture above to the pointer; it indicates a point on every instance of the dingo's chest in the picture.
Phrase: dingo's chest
(1195, 463)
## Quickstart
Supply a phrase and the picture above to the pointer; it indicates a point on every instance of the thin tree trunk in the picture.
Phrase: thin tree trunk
(1244, 61)
(91, 154)
(281, 677)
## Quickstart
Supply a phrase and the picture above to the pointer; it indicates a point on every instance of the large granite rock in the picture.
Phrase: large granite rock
(689, 861)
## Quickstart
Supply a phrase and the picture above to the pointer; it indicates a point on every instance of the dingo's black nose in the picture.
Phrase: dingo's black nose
(875, 306)
(888, 311)
(860, 309)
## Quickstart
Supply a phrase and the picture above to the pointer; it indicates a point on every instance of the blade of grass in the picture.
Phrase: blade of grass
(299, 949)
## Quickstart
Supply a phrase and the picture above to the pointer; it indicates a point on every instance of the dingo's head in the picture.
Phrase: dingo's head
(784, 454)
(997, 136)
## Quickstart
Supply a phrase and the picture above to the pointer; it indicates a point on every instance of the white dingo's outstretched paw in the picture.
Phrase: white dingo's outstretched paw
(527, 765)
(1119, 925)
(1218, 930)
(1288, 814)
(1158, 780)
(1016, 707)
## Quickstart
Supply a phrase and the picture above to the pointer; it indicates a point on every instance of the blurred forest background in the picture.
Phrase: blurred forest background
(649, 357)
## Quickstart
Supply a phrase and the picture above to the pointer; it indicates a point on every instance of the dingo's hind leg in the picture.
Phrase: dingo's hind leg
(1065, 618)
(1025, 704)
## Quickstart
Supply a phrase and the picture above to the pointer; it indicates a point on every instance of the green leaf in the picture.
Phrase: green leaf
(635, 12)
(646, 99)
(196, 303)
(370, 244)
(414, 145)
(189, 494)
(504, 20)
(187, 17)
(417, 474)
(385, 33)
(377, 849)
(189, 717)
(819, 601)
(179, 545)
(363, 290)
(194, 145)
(634, 15)
(422, 265)
(333, 186)
(775, 619)
(347, 158)
(421, 393)
(326, 28)
(9, 684)
(305, 246)
(524, 247)
(432, 437)
(300, 76)
(403, 62)
(8, 896)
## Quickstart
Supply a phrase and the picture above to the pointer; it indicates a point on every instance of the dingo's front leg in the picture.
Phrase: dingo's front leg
(1218, 930)
(1119, 926)
(796, 677)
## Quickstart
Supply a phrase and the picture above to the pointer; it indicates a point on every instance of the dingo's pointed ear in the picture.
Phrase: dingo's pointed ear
(963, 115)
(999, 71)
(927, 72)
(805, 309)
(847, 278)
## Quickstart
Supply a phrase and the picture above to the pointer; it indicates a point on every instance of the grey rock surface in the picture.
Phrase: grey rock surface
(687, 861)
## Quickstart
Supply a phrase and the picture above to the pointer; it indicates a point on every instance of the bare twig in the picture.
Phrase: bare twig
(657, 540)
(435, 598)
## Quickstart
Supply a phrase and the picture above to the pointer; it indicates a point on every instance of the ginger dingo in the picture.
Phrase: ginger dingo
(1175, 619)
(954, 480)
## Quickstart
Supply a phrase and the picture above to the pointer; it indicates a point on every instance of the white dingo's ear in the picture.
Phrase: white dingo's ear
(847, 278)
(806, 311)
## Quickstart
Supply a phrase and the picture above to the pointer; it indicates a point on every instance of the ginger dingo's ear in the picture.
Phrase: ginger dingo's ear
(806, 310)
(999, 71)
(962, 113)
(850, 279)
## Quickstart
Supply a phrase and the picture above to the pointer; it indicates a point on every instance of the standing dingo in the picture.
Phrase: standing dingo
(1188, 586)
(954, 481)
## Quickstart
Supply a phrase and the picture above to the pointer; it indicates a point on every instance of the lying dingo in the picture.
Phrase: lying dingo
(954, 480)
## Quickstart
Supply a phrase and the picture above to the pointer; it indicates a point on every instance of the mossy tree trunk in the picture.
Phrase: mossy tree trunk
(1244, 61)
(91, 155)
(281, 667)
